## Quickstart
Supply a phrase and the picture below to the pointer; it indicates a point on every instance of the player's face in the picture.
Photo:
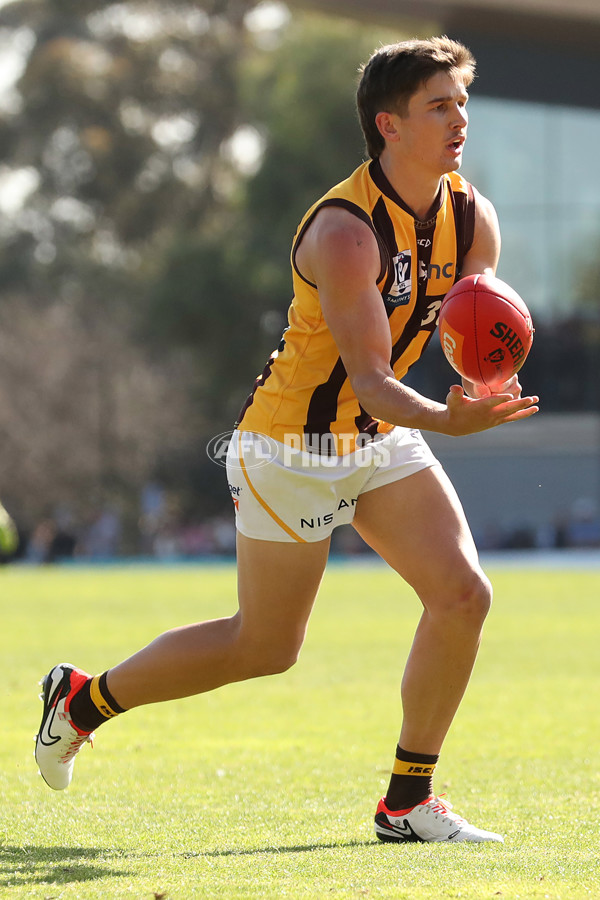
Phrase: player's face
(433, 132)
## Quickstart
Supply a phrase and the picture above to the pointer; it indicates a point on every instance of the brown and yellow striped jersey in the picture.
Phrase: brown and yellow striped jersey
(304, 395)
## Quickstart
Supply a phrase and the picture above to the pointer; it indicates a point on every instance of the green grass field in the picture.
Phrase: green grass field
(267, 789)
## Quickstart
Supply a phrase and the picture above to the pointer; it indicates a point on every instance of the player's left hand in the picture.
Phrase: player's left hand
(479, 391)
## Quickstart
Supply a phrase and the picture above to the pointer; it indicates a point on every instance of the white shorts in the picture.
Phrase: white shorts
(285, 494)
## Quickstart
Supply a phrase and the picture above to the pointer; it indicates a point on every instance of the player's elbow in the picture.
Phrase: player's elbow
(369, 389)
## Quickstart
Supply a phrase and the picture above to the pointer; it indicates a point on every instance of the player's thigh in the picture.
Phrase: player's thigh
(277, 586)
(418, 526)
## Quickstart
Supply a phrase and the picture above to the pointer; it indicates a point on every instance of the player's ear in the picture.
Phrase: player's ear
(387, 123)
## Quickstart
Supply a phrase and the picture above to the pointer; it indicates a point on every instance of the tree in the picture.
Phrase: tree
(123, 109)
(92, 420)
(115, 125)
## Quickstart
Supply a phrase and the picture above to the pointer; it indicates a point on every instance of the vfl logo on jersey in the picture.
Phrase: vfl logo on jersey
(400, 291)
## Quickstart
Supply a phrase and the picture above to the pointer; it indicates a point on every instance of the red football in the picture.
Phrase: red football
(485, 329)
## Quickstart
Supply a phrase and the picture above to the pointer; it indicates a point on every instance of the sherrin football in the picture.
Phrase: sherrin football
(485, 329)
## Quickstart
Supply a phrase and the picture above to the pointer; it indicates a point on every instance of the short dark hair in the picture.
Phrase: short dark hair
(395, 72)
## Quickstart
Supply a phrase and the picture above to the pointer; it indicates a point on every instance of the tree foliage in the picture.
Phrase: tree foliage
(114, 127)
(122, 111)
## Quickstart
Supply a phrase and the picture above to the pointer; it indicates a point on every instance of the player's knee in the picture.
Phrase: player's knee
(468, 595)
(473, 596)
(273, 658)
(274, 662)
(277, 663)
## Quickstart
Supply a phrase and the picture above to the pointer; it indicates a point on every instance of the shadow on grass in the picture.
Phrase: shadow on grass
(301, 848)
(31, 864)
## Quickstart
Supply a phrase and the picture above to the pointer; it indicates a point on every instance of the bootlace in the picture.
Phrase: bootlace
(75, 745)
(443, 808)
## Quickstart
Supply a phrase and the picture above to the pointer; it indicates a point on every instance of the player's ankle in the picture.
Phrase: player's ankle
(93, 704)
(412, 779)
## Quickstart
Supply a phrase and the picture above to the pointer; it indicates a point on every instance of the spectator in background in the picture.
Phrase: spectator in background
(102, 538)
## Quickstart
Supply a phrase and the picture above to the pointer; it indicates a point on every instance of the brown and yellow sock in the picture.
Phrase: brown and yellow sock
(94, 704)
(412, 779)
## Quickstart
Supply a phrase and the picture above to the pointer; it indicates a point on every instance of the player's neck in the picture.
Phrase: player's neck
(416, 186)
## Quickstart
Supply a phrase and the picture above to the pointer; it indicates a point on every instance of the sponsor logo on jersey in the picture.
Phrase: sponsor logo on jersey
(444, 271)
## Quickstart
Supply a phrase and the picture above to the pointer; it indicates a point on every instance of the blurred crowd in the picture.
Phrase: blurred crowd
(102, 539)
(104, 532)
(579, 528)
(162, 533)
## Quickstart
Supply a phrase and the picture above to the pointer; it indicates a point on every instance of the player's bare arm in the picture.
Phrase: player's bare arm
(484, 253)
(340, 254)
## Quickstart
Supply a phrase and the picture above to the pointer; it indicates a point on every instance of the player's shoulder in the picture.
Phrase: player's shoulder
(339, 239)
(336, 227)
(459, 184)
(354, 194)
(483, 207)
(343, 212)
(332, 221)
(356, 184)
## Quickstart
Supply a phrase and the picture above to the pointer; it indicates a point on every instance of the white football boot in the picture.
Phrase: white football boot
(59, 739)
(431, 820)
